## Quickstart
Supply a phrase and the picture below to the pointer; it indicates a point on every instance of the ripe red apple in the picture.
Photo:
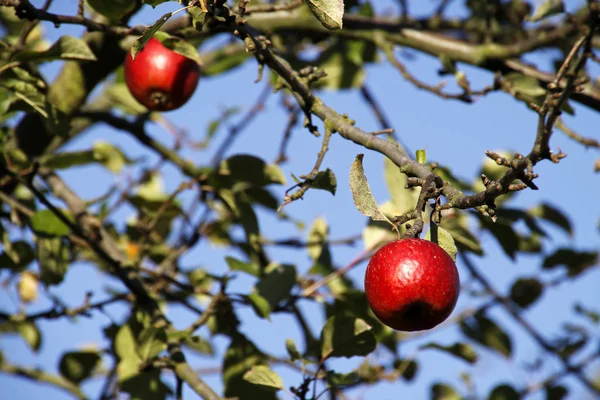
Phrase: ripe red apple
(411, 284)
(160, 78)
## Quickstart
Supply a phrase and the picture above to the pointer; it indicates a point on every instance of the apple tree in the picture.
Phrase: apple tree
(190, 192)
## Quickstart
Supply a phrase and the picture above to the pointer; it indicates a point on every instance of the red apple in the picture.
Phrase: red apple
(412, 284)
(160, 78)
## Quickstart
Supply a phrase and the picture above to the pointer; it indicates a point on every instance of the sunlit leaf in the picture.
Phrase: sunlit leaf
(317, 237)
(546, 9)
(46, 222)
(178, 45)
(259, 304)
(293, 352)
(421, 156)
(263, 376)
(329, 12)
(442, 238)
(441, 391)
(151, 342)
(361, 192)
(237, 265)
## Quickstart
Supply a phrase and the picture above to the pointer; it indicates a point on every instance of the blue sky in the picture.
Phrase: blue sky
(452, 133)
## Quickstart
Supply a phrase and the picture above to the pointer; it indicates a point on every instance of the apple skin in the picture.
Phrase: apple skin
(412, 284)
(160, 78)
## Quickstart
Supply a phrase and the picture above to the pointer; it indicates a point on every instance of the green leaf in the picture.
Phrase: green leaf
(556, 392)
(110, 156)
(441, 391)
(345, 336)
(148, 34)
(325, 180)
(552, 215)
(121, 97)
(66, 48)
(576, 262)
(407, 368)
(335, 379)
(241, 356)
(198, 17)
(27, 330)
(237, 265)
(263, 197)
(178, 45)
(421, 156)
(524, 84)
(250, 169)
(504, 234)
(547, 9)
(199, 344)
(145, 385)
(504, 392)
(317, 238)
(154, 3)
(259, 304)
(152, 189)
(263, 376)
(486, 332)
(329, 12)
(403, 199)
(125, 343)
(442, 238)
(460, 350)
(16, 256)
(53, 257)
(104, 153)
(343, 63)
(293, 352)
(378, 233)
(67, 159)
(526, 291)
(277, 284)
(77, 366)
(46, 222)
(200, 278)
(151, 342)
(223, 60)
(114, 10)
(361, 192)
(457, 226)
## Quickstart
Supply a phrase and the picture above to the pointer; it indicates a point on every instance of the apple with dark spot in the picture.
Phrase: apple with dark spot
(412, 284)
(160, 78)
